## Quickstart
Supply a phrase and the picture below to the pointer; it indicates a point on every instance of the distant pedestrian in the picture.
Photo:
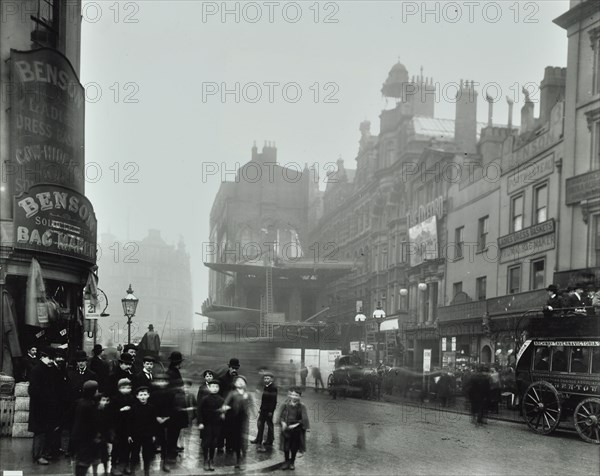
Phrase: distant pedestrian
(292, 373)
(191, 409)
(210, 422)
(239, 406)
(150, 343)
(478, 390)
(110, 354)
(303, 374)
(142, 430)
(268, 404)
(123, 370)
(294, 424)
(316, 374)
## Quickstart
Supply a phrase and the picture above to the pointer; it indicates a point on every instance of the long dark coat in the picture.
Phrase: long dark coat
(237, 417)
(294, 439)
(45, 399)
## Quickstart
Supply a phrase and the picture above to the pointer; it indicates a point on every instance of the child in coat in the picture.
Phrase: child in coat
(294, 424)
(210, 422)
(240, 405)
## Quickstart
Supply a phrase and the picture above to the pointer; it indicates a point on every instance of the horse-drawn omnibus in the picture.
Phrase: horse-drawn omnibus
(558, 375)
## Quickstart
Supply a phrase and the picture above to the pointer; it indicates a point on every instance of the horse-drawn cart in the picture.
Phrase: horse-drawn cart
(558, 375)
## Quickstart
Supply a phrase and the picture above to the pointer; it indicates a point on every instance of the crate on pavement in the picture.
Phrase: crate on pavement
(22, 389)
(21, 417)
(19, 430)
(7, 412)
(22, 404)
(7, 385)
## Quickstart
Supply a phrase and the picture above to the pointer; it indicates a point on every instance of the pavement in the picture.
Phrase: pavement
(353, 436)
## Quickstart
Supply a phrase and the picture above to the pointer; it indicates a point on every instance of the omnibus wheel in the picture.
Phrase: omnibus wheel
(587, 420)
(541, 407)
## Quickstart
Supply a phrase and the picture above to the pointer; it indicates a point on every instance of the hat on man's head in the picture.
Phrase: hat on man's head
(268, 373)
(123, 382)
(150, 327)
(80, 356)
(97, 349)
(129, 346)
(126, 358)
(553, 288)
(234, 363)
(149, 358)
(176, 356)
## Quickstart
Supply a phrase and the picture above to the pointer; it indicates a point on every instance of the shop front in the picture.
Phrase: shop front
(48, 232)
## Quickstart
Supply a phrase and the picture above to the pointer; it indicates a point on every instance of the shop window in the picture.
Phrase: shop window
(514, 279)
(540, 198)
(580, 359)
(516, 213)
(482, 233)
(480, 286)
(559, 359)
(537, 274)
(45, 31)
(459, 242)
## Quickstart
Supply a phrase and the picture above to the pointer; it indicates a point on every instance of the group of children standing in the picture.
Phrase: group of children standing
(132, 420)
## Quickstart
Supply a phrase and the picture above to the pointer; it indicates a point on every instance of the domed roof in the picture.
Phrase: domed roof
(397, 76)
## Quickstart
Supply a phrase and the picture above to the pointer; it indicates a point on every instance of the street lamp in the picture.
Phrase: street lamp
(360, 317)
(378, 315)
(130, 303)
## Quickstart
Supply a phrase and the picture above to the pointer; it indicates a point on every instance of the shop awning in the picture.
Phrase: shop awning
(389, 325)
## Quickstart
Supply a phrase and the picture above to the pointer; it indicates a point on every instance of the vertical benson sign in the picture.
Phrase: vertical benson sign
(426, 360)
(47, 121)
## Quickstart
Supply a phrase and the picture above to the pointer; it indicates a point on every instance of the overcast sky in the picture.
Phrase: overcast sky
(154, 72)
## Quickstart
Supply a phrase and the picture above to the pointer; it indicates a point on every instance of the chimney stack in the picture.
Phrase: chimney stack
(510, 112)
(552, 90)
(490, 102)
(527, 119)
(465, 123)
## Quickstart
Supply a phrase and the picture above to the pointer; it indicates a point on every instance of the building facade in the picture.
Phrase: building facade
(47, 225)
(161, 279)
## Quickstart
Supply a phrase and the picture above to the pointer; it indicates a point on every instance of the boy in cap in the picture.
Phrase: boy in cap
(294, 424)
(268, 404)
(122, 404)
(210, 422)
(208, 376)
(191, 405)
(143, 426)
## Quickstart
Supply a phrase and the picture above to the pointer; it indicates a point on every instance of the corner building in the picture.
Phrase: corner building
(44, 214)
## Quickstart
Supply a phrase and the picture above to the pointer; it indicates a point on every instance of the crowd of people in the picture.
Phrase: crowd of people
(99, 412)
(578, 300)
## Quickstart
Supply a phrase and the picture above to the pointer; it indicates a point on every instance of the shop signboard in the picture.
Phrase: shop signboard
(47, 117)
(91, 311)
(423, 241)
(426, 360)
(54, 219)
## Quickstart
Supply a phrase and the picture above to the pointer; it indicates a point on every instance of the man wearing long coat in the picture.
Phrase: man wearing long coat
(44, 405)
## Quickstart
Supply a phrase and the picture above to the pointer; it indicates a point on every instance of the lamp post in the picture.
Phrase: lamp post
(360, 317)
(130, 303)
(378, 315)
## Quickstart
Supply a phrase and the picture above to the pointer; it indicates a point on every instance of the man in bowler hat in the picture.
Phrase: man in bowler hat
(554, 304)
